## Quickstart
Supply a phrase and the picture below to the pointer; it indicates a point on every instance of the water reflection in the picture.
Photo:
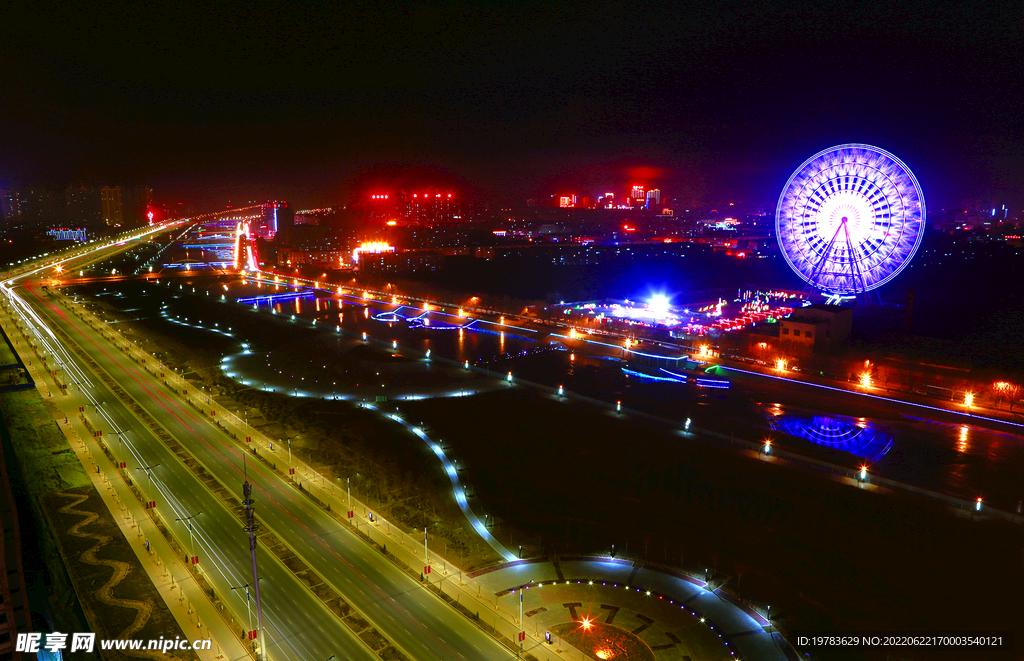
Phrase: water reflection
(857, 438)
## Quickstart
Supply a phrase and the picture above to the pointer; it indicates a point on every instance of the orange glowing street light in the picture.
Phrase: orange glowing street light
(969, 399)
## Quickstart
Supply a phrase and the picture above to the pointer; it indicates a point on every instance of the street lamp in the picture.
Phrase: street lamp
(426, 554)
(248, 608)
(149, 474)
(193, 559)
(522, 633)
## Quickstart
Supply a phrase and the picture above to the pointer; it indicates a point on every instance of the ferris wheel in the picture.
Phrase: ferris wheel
(850, 219)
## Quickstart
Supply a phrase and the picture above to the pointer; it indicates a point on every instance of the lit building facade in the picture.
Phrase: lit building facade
(110, 202)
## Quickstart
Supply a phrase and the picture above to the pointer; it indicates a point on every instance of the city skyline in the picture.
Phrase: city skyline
(524, 100)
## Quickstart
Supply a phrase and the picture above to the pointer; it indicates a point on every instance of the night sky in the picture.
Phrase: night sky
(711, 102)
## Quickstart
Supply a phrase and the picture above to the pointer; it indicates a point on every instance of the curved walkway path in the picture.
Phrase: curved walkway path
(457, 488)
(665, 603)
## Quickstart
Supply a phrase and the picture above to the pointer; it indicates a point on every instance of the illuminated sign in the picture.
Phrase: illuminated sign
(372, 247)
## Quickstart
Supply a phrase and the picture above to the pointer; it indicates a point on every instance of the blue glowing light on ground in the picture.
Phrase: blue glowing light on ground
(839, 434)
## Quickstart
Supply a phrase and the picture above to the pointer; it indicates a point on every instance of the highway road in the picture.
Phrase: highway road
(298, 625)
(408, 615)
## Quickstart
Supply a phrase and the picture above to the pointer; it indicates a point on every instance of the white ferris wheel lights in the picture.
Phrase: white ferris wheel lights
(850, 219)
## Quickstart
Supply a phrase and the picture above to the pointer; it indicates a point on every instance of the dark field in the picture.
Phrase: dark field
(826, 556)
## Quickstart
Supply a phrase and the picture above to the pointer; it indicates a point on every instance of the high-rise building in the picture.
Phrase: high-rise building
(430, 206)
(84, 206)
(110, 203)
(136, 202)
(43, 206)
(653, 198)
(277, 216)
(11, 200)
(638, 193)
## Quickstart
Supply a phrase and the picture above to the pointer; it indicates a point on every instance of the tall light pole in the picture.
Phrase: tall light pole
(193, 558)
(522, 632)
(426, 554)
(248, 608)
(149, 474)
(251, 527)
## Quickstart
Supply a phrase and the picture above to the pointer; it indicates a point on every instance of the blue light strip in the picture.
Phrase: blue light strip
(651, 376)
(621, 348)
(879, 397)
(270, 298)
(678, 376)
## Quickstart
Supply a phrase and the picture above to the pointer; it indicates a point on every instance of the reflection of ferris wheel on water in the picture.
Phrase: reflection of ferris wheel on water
(850, 218)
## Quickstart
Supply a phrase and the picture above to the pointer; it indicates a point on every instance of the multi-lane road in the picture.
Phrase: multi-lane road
(297, 625)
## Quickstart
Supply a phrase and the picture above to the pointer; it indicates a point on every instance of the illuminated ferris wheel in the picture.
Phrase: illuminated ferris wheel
(850, 219)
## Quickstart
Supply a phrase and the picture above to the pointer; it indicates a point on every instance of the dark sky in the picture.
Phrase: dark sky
(710, 101)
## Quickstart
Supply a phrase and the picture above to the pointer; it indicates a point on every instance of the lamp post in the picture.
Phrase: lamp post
(149, 474)
(248, 608)
(522, 634)
(193, 558)
(251, 527)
